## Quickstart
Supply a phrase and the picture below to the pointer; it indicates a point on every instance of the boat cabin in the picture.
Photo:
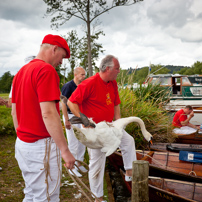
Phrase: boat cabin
(180, 85)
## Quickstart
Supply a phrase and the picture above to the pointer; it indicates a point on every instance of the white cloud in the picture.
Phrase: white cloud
(156, 31)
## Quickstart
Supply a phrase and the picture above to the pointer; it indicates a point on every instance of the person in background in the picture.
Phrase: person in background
(75, 147)
(97, 97)
(181, 122)
(40, 142)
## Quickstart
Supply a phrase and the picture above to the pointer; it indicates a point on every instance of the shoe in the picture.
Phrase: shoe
(75, 172)
(83, 169)
(128, 178)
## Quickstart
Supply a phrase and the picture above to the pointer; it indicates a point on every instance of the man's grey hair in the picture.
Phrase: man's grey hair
(107, 61)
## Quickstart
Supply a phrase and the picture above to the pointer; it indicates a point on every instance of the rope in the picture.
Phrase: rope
(161, 163)
(47, 166)
(74, 178)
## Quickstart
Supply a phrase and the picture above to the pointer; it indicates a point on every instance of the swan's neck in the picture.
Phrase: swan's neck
(125, 121)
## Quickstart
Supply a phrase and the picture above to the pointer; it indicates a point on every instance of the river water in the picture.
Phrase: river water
(121, 193)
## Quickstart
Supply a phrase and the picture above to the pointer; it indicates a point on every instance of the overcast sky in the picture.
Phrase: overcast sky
(166, 32)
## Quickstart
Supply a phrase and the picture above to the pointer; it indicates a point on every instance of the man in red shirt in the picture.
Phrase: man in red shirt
(40, 139)
(181, 121)
(97, 97)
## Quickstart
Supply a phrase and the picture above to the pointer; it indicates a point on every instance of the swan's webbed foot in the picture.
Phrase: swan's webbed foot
(63, 98)
(83, 119)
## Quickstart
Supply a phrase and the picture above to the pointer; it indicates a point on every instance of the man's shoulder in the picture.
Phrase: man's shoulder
(89, 81)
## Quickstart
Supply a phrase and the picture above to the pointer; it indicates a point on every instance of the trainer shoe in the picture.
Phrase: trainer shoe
(83, 169)
(76, 172)
(128, 178)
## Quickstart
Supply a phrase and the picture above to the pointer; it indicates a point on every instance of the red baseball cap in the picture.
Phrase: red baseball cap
(58, 41)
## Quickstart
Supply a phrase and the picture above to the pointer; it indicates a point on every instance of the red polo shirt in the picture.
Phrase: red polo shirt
(178, 118)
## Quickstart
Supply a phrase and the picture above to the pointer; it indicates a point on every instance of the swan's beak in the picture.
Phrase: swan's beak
(150, 142)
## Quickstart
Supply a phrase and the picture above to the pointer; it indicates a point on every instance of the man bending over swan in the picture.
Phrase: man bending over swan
(97, 97)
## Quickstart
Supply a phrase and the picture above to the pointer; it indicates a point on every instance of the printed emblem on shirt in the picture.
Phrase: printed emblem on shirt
(108, 100)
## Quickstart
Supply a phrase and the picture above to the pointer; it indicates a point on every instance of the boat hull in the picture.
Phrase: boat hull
(175, 147)
(166, 190)
(194, 138)
(165, 165)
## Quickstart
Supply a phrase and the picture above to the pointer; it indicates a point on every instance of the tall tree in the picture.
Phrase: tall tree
(5, 82)
(75, 46)
(86, 10)
(96, 49)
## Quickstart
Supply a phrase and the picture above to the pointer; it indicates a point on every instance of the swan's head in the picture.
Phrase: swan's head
(148, 137)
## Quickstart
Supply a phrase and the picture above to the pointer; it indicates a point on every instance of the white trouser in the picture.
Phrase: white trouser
(184, 130)
(98, 159)
(76, 148)
(35, 164)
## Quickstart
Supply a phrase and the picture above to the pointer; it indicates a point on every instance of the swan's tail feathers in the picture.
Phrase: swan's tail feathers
(83, 119)
(64, 99)
(79, 135)
(109, 151)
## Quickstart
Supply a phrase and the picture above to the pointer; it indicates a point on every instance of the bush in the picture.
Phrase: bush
(6, 121)
(156, 118)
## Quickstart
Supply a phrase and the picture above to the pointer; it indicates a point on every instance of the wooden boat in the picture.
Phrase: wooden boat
(166, 190)
(175, 147)
(164, 164)
(194, 138)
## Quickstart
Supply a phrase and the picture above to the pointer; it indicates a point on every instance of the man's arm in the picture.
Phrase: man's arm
(186, 122)
(74, 108)
(14, 115)
(64, 111)
(53, 125)
(117, 112)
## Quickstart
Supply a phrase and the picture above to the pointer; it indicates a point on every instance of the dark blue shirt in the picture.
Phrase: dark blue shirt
(67, 90)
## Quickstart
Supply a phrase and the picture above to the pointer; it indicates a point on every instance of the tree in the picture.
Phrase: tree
(75, 46)
(96, 49)
(159, 69)
(5, 82)
(197, 66)
(86, 10)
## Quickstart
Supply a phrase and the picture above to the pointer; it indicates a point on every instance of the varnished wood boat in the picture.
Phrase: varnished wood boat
(166, 190)
(165, 165)
(175, 147)
(194, 138)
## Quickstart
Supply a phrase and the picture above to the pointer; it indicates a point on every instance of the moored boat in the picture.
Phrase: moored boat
(184, 90)
(194, 138)
(166, 190)
(176, 147)
(164, 164)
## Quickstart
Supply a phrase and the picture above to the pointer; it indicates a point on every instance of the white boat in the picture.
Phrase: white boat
(185, 90)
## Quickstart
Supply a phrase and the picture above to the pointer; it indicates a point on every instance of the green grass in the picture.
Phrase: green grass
(4, 95)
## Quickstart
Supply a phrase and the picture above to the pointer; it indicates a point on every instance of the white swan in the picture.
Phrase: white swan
(105, 136)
